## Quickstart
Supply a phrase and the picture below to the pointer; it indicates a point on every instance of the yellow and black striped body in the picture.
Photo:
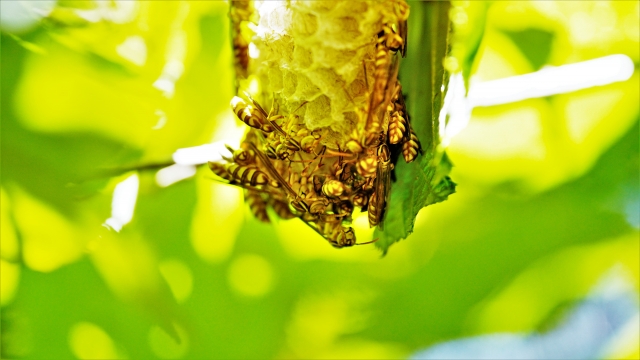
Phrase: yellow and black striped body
(220, 170)
(250, 115)
(378, 200)
(372, 210)
(281, 209)
(360, 199)
(397, 127)
(247, 175)
(380, 75)
(338, 235)
(343, 208)
(333, 188)
(257, 205)
(392, 41)
(410, 147)
(240, 55)
(240, 12)
(366, 166)
(243, 157)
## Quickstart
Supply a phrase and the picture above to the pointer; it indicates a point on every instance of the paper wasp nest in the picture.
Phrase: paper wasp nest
(328, 112)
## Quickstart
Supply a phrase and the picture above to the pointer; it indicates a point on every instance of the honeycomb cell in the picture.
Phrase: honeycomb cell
(306, 89)
(302, 58)
(318, 113)
(321, 7)
(290, 84)
(357, 88)
(304, 25)
(349, 26)
(276, 81)
(321, 49)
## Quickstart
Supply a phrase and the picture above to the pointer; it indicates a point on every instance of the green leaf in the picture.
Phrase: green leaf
(424, 181)
(468, 24)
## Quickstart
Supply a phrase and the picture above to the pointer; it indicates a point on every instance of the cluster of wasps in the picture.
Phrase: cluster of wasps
(287, 167)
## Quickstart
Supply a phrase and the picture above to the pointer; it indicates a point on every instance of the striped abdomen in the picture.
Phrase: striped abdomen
(247, 175)
(250, 116)
(220, 170)
(257, 205)
(411, 147)
(397, 127)
(374, 215)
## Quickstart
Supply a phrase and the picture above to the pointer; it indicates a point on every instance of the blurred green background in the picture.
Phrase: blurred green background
(547, 199)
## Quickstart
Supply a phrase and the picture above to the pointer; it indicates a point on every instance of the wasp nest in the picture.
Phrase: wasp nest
(329, 112)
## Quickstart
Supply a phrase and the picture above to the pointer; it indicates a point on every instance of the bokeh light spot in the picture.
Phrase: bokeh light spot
(251, 275)
(49, 240)
(217, 219)
(9, 278)
(133, 49)
(9, 243)
(516, 133)
(179, 277)
(164, 346)
(89, 341)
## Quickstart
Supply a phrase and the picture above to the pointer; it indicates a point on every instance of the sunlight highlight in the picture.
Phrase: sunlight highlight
(133, 49)
(174, 173)
(552, 81)
(456, 110)
(9, 280)
(197, 155)
(22, 15)
(123, 202)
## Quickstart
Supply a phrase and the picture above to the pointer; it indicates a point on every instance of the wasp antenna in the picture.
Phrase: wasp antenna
(299, 107)
(368, 242)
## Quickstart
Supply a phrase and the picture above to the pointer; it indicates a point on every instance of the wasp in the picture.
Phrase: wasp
(397, 121)
(242, 156)
(333, 188)
(337, 235)
(391, 39)
(402, 13)
(290, 144)
(299, 202)
(246, 175)
(239, 12)
(254, 116)
(309, 141)
(220, 170)
(385, 79)
(366, 166)
(343, 208)
(359, 199)
(382, 187)
(411, 146)
(257, 205)
(281, 209)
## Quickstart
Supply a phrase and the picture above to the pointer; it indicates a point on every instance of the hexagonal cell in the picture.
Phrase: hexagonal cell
(321, 6)
(289, 83)
(304, 24)
(302, 58)
(276, 82)
(306, 89)
(348, 26)
(318, 113)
